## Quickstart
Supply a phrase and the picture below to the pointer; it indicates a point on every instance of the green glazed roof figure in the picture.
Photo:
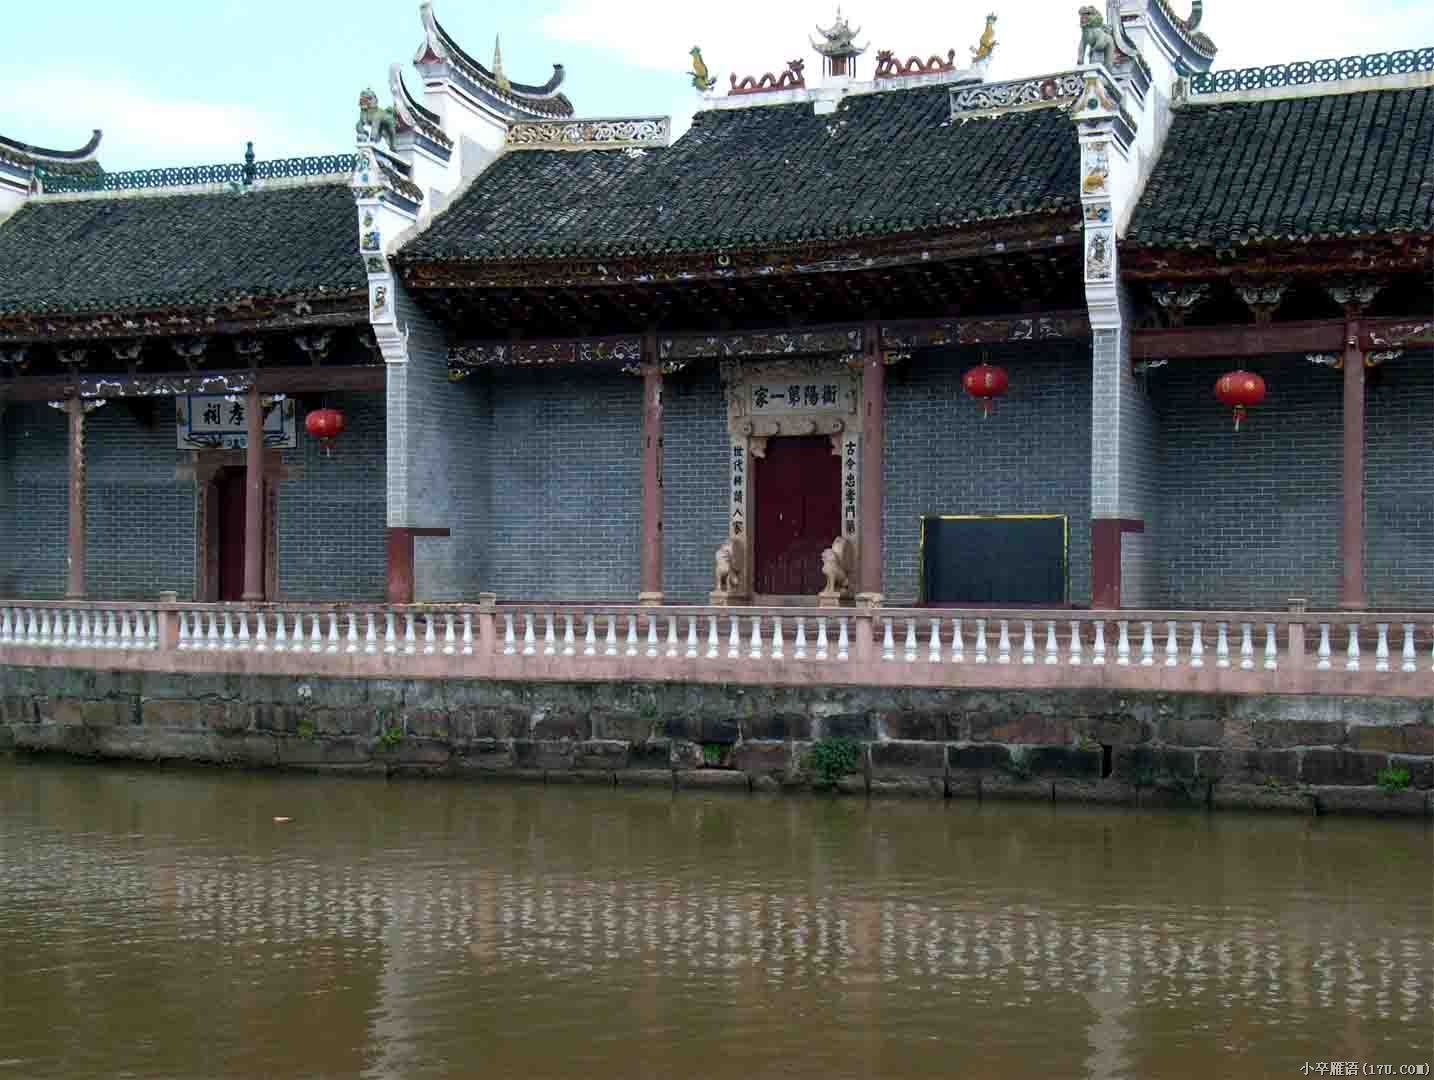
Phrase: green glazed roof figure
(701, 78)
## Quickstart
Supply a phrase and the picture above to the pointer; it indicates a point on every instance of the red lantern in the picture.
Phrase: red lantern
(1242, 390)
(987, 383)
(326, 425)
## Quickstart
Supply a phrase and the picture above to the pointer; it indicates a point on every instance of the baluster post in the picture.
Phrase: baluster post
(800, 643)
(1003, 644)
(550, 636)
(1122, 643)
(1197, 645)
(1147, 644)
(1097, 658)
(450, 634)
(673, 645)
(1172, 644)
(1351, 662)
(332, 647)
(981, 655)
(1075, 659)
(570, 641)
(958, 644)
(822, 644)
(1324, 652)
(933, 650)
(1408, 663)
(888, 641)
(1381, 648)
(1272, 661)
(1222, 645)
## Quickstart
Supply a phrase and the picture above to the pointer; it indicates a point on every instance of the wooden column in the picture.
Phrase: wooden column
(651, 474)
(873, 444)
(254, 497)
(399, 584)
(76, 547)
(1351, 533)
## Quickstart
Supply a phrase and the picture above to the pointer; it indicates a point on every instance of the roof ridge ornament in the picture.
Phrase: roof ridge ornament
(838, 46)
(791, 79)
(499, 77)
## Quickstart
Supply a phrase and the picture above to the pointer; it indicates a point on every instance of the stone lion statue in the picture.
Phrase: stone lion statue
(375, 124)
(834, 567)
(729, 578)
(1097, 43)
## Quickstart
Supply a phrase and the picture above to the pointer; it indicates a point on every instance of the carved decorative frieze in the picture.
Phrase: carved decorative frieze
(609, 352)
(1304, 73)
(984, 331)
(314, 346)
(166, 385)
(639, 132)
(987, 98)
(775, 343)
(1404, 334)
(1354, 296)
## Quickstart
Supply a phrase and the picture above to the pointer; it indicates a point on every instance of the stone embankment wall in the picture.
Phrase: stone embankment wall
(1293, 753)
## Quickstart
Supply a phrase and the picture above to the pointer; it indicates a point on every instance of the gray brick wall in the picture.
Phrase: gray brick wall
(1252, 519)
(32, 476)
(1399, 483)
(696, 473)
(140, 518)
(564, 462)
(1031, 457)
(434, 466)
(331, 518)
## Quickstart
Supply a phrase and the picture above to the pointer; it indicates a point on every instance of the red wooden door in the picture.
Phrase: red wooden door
(797, 492)
(231, 535)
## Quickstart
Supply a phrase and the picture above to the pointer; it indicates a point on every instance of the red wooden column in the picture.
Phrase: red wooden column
(1351, 532)
(651, 474)
(75, 549)
(873, 446)
(254, 496)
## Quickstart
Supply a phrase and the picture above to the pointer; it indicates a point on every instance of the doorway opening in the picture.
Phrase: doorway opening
(797, 501)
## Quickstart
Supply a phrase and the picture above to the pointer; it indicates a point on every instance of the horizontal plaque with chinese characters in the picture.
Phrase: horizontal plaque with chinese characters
(220, 422)
(768, 397)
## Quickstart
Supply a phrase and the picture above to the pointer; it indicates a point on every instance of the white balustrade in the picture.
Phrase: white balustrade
(734, 640)
(1407, 660)
(1075, 658)
(1003, 644)
(1381, 648)
(1122, 644)
(958, 644)
(692, 637)
(1247, 649)
(1147, 644)
(822, 644)
(1272, 652)
(909, 649)
(1053, 645)
(1323, 652)
(933, 652)
(672, 642)
(1351, 660)
(632, 635)
(651, 636)
(843, 645)
(756, 653)
(1097, 652)
(799, 646)
(1197, 646)
(888, 643)
(714, 641)
(468, 632)
(1222, 645)
(981, 657)
(450, 635)
(332, 647)
(530, 641)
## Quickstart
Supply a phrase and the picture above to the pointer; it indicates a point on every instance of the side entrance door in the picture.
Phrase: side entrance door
(231, 535)
(797, 496)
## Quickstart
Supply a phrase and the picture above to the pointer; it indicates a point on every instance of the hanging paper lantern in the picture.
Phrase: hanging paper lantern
(326, 425)
(1241, 390)
(987, 383)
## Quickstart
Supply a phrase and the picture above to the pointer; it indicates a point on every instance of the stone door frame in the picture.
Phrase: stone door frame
(206, 471)
(749, 430)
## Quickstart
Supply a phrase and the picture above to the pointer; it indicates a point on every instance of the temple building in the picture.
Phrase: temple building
(899, 335)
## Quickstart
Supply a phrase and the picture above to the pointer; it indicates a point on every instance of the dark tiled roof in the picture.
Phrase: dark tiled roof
(119, 254)
(1293, 168)
(770, 175)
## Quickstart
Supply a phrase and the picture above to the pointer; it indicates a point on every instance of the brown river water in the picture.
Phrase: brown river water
(162, 924)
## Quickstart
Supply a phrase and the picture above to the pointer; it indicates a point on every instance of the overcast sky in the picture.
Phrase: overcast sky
(175, 84)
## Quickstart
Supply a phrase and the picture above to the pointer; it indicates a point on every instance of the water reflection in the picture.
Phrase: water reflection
(164, 924)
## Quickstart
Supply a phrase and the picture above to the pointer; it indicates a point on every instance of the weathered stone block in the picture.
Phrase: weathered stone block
(1419, 739)
(56, 738)
(249, 749)
(763, 758)
(427, 723)
(169, 714)
(62, 712)
(929, 787)
(1093, 792)
(907, 725)
(1278, 734)
(1145, 765)
(107, 713)
(856, 726)
(305, 753)
(721, 779)
(544, 754)
(784, 725)
(997, 786)
(225, 717)
(485, 755)
(1235, 796)
(494, 722)
(602, 755)
(622, 725)
(1030, 729)
(1183, 730)
(907, 760)
(1389, 740)
(1114, 729)
(1341, 767)
(1063, 761)
(15, 710)
(1356, 800)
(561, 723)
(978, 758)
(645, 778)
(1249, 767)
(653, 754)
